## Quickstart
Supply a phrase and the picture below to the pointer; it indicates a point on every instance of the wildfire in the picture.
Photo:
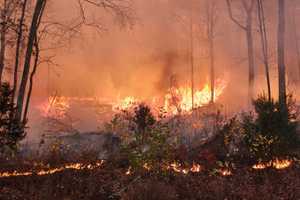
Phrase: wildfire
(74, 166)
(180, 100)
(225, 172)
(55, 107)
(125, 104)
(176, 167)
(277, 164)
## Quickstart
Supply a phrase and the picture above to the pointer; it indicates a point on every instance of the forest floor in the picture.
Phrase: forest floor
(109, 182)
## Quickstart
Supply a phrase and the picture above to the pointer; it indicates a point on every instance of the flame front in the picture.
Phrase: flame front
(180, 100)
(277, 164)
(125, 104)
(74, 166)
(55, 107)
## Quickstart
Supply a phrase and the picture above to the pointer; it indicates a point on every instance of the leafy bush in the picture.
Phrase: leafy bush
(11, 130)
(263, 135)
(270, 132)
(149, 145)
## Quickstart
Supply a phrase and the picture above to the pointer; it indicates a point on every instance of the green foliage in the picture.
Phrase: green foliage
(11, 130)
(143, 118)
(270, 132)
(150, 145)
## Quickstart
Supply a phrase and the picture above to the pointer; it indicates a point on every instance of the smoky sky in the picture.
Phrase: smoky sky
(140, 59)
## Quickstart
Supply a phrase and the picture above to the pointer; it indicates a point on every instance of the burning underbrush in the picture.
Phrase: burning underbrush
(194, 154)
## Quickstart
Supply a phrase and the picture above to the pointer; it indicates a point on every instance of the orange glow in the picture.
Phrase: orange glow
(179, 100)
(128, 172)
(225, 172)
(125, 104)
(196, 168)
(281, 164)
(74, 166)
(277, 164)
(55, 107)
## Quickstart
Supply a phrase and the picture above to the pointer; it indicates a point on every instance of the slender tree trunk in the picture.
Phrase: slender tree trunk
(250, 45)
(3, 39)
(296, 37)
(212, 69)
(192, 58)
(18, 48)
(250, 60)
(38, 13)
(211, 19)
(36, 60)
(281, 55)
(264, 43)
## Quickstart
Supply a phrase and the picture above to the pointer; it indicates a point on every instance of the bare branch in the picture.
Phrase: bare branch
(232, 17)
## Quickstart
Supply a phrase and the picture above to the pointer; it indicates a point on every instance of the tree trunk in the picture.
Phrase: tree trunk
(250, 60)
(264, 43)
(248, 8)
(3, 39)
(37, 54)
(38, 13)
(296, 37)
(281, 55)
(192, 58)
(212, 70)
(18, 47)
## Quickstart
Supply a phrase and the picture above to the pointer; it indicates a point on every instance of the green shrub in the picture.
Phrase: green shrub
(149, 144)
(11, 130)
(270, 133)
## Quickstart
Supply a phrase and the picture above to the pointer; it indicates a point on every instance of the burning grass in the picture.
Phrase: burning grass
(106, 181)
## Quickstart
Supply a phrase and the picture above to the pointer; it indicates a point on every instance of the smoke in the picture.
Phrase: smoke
(148, 58)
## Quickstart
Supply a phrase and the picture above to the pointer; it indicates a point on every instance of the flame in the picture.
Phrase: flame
(180, 99)
(74, 166)
(55, 107)
(125, 104)
(176, 167)
(281, 164)
(277, 164)
(128, 172)
(196, 168)
(225, 172)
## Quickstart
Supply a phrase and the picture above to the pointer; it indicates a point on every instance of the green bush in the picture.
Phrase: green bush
(11, 130)
(149, 145)
(270, 133)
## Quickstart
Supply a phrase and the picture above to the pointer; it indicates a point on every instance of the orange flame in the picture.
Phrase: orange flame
(55, 107)
(277, 164)
(125, 104)
(74, 166)
(180, 99)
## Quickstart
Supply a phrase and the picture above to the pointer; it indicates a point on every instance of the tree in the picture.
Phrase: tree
(36, 19)
(296, 36)
(281, 56)
(7, 9)
(211, 20)
(248, 8)
(264, 43)
(120, 9)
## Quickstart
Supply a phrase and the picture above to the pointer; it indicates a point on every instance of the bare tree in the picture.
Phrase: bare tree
(20, 31)
(264, 43)
(35, 22)
(296, 36)
(211, 20)
(281, 56)
(248, 7)
(8, 8)
(192, 62)
(119, 8)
